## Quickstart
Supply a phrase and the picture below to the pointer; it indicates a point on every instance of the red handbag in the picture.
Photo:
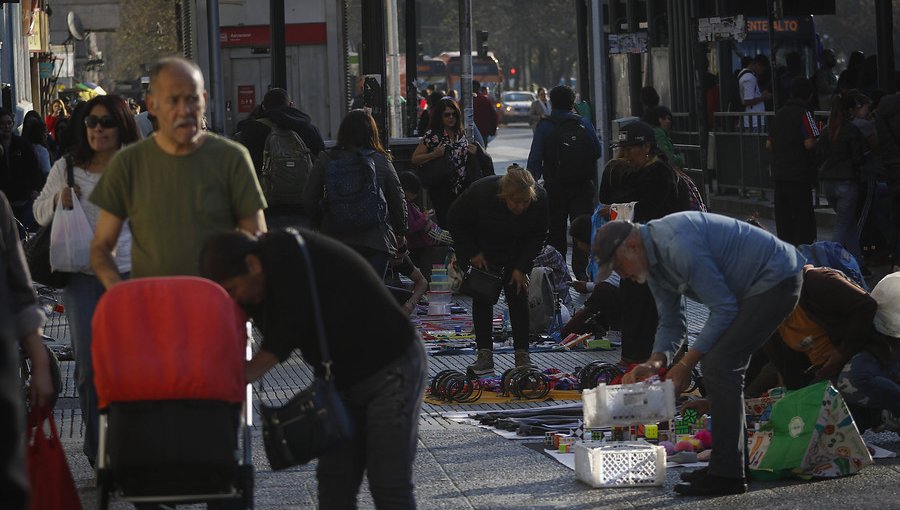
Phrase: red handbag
(52, 486)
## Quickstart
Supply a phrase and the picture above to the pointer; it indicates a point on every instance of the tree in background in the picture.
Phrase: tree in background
(148, 31)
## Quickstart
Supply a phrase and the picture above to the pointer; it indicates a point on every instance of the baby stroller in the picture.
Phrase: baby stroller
(174, 407)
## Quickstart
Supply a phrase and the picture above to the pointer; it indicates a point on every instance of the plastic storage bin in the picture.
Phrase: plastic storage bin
(620, 464)
(439, 286)
(440, 297)
(628, 404)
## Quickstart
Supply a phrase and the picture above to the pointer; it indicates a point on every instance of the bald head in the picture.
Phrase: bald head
(176, 65)
(177, 99)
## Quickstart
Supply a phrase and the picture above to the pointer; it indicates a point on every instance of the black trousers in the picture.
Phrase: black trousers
(639, 320)
(795, 217)
(483, 315)
(567, 202)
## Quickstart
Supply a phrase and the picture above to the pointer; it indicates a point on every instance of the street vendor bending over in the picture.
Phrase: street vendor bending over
(749, 280)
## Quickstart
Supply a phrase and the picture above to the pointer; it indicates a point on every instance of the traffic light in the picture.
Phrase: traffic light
(481, 38)
(512, 71)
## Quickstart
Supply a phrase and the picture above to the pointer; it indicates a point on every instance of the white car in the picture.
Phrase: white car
(515, 106)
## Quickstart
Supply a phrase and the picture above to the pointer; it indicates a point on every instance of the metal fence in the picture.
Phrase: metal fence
(738, 156)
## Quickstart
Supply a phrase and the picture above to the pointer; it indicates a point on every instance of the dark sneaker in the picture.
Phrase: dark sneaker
(523, 358)
(711, 485)
(696, 474)
(484, 364)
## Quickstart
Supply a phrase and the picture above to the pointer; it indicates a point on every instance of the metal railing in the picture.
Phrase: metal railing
(738, 156)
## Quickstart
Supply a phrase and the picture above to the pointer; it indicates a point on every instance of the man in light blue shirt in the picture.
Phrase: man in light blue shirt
(749, 280)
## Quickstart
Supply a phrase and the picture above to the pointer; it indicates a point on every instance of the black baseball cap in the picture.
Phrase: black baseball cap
(608, 239)
(636, 133)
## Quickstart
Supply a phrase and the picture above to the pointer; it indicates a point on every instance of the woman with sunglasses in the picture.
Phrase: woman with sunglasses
(443, 154)
(106, 125)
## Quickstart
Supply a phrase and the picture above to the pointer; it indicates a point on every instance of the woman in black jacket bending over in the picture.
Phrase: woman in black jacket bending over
(499, 224)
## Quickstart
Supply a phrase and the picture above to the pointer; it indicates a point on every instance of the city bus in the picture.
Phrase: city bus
(486, 70)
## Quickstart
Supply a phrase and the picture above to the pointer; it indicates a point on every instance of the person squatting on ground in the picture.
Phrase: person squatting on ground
(175, 188)
(871, 379)
(445, 138)
(792, 137)
(750, 281)
(499, 225)
(358, 139)
(569, 169)
(639, 175)
(426, 240)
(602, 310)
(381, 380)
(107, 126)
(21, 321)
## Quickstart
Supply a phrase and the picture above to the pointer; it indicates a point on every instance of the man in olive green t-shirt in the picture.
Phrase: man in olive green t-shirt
(177, 187)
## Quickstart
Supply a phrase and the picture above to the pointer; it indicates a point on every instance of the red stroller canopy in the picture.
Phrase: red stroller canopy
(168, 338)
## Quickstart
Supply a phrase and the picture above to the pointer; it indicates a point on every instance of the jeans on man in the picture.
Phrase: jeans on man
(385, 411)
(843, 197)
(726, 362)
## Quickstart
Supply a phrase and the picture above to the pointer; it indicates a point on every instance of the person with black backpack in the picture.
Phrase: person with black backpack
(354, 195)
(564, 151)
(283, 143)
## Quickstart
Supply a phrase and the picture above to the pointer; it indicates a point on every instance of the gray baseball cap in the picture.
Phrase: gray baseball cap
(608, 239)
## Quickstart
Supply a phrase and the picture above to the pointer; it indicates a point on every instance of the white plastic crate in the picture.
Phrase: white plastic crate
(628, 404)
(620, 464)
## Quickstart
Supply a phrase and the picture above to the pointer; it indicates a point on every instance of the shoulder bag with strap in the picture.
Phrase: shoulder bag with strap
(315, 420)
(37, 248)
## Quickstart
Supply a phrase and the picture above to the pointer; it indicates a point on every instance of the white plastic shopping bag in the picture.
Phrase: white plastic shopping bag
(70, 239)
(622, 211)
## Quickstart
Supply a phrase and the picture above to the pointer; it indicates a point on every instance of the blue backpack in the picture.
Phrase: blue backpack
(833, 255)
(353, 200)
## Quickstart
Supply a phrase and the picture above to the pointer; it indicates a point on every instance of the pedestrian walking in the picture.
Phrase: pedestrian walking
(177, 187)
(107, 127)
(564, 152)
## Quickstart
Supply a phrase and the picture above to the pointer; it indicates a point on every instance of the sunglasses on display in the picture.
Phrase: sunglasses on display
(107, 121)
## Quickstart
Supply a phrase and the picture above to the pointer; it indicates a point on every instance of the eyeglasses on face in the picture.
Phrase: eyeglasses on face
(450, 114)
(107, 121)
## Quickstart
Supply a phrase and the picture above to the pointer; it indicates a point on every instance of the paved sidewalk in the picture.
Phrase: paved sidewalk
(462, 466)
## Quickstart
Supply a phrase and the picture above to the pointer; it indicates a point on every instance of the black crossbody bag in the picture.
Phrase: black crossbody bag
(481, 285)
(315, 420)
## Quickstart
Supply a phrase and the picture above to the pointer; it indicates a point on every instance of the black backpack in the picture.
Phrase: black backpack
(286, 164)
(569, 152)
